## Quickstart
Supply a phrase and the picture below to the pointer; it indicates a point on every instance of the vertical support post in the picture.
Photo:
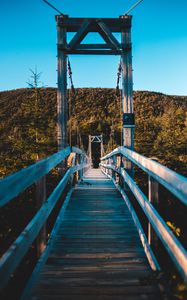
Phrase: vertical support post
(153, 196)
(81, 162)
(62, 105)
(77, 172)
(90, 148)
(102, 146)
(127, 95)
(40, 199)
(115, 164)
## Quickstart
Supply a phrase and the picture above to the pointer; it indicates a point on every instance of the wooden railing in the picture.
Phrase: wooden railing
(112, 164)
(11, 186)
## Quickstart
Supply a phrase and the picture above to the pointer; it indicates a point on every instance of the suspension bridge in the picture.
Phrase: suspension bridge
(98, 248)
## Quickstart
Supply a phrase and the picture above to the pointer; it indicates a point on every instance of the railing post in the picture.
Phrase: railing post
(77, 172)
(40, 199)
(81, 170)
(153, 196)
(115, 164)
(108, 162)
(72, 165)
(120, 166)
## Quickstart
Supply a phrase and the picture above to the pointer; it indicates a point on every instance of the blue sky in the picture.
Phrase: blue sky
(159, 36)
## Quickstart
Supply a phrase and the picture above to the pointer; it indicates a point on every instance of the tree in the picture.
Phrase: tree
(34, 107)
(170, 144)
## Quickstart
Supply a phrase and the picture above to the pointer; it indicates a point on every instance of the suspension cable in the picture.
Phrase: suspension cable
(118, 78)
(72, 107)
(119, 97)
(70, 76)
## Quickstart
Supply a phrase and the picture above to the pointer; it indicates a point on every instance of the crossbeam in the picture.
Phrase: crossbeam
(81, 33)
(107, 35)
(114, 24)
(104, 27)
(93, 52)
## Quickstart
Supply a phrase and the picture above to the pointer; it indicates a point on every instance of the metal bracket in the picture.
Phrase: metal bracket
(128, 120)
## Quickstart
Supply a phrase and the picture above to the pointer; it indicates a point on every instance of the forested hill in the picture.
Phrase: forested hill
(28, 124)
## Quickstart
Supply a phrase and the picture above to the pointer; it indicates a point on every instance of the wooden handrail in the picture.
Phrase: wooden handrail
(172, 181)
(12, 257)
(174, 248)
(14, 184)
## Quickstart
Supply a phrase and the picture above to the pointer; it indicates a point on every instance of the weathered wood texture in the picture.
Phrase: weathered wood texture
(97, 253)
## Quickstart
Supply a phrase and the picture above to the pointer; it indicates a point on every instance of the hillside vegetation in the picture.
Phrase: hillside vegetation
(28, 128)
(28, 133)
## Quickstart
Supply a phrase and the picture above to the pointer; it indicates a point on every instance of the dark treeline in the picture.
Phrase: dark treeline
(28, 127)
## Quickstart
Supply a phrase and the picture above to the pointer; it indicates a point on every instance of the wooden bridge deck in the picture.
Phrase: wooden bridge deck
(97, 253)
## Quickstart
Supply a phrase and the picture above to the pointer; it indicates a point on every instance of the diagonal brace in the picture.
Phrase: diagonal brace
(79, 36)
(108, 36)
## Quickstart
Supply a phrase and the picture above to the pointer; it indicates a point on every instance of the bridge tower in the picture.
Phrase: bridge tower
(95, 139)
(106, 27)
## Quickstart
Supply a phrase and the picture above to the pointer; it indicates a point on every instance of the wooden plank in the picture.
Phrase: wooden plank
(94, 297)
(51, 287)
(98, 266)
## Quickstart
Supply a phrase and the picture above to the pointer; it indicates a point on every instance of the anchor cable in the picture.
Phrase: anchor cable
(119, 97)
(72, 108)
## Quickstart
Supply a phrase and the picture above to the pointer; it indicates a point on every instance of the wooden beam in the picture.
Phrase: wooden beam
(107, 35)
(62, 106)
(92, 46)
(95, 52)
(80, 35)
(114, 24)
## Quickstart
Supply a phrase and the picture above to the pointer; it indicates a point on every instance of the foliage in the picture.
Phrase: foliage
(161, 125)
